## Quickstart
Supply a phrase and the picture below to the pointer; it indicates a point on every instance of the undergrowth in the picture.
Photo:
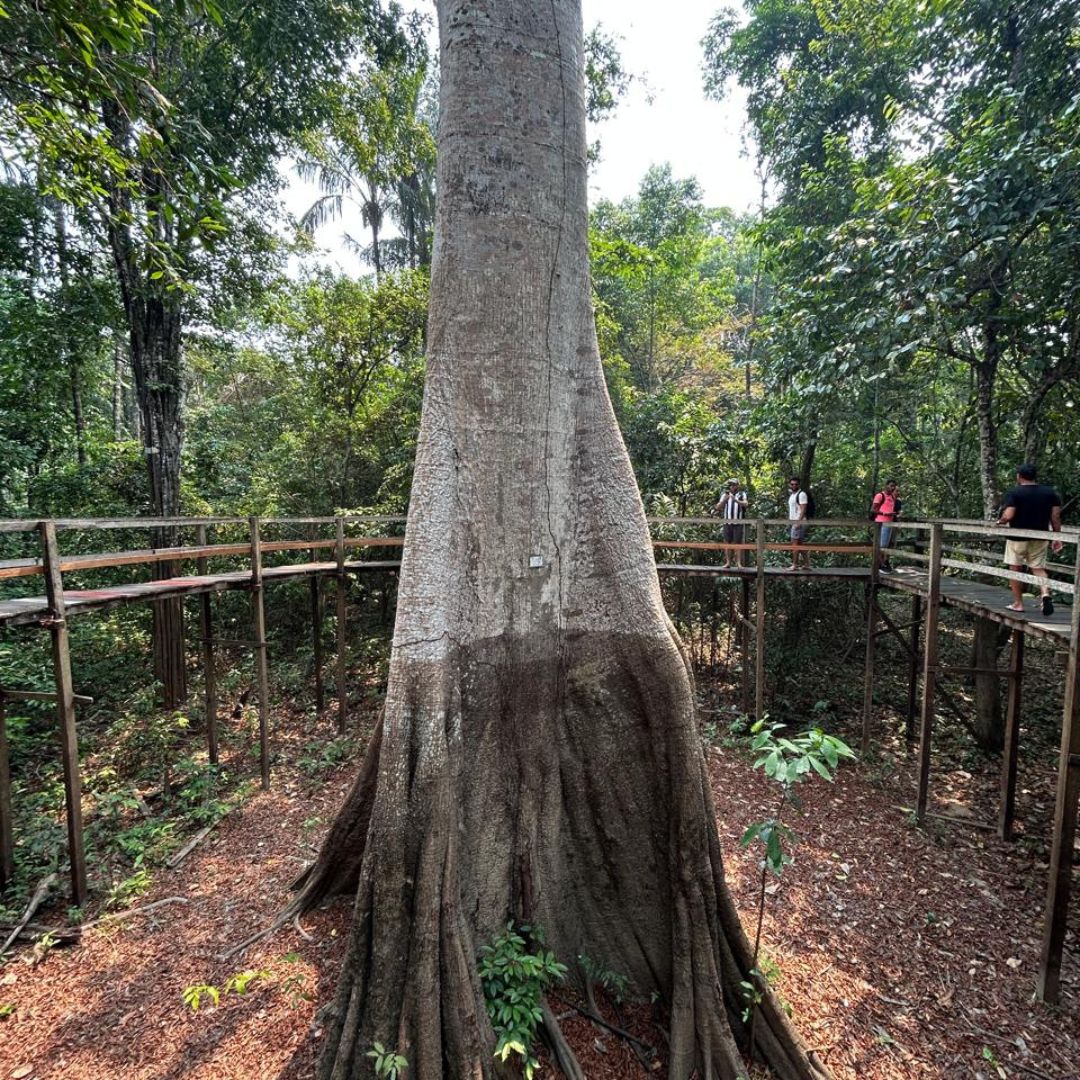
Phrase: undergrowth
(146, 779)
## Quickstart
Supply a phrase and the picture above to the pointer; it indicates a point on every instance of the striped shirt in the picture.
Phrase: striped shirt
(733, 505)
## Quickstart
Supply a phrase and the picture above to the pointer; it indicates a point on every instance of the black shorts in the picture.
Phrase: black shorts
(734, 532)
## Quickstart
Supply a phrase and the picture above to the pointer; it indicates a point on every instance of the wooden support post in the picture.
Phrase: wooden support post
(342, 640)
(1068, 797)
(65, 709)
(744, 642)
(759, 619)
(871, 639)
(259, 616)
(7, 841)
(316, 632)
(1012, 737)
(930, 667)
(206, 631)
(913, 667)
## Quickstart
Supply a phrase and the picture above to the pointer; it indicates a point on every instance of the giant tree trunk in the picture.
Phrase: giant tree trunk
(537, 758)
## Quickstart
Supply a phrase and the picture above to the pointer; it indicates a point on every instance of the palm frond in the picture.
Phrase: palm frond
(325, 208)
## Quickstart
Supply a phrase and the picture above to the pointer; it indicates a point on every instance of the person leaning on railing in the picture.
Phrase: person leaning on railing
(1030, 505)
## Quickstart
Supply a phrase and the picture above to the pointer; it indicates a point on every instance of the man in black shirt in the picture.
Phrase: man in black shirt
(1030, 505)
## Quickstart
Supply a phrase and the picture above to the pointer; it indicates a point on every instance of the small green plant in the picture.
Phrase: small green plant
(388, 1063)
(234, 984)
(789, 761)
(514, 979)
(131, 888)
(239, 983)
(193, 995)
(295, 986)
(199, 793)
(319, 757)
(7, 1010)
(612, 981)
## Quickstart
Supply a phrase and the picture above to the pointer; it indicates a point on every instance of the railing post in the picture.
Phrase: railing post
(1065, 807)
(759, 619)
(259, 615)
(65, 708)
(871, 627)
(342, 639)
(7, 841)
(1012, 737)
(744, 640)
(316, 629)
(930, 664)
(206, 624)
(913, 667)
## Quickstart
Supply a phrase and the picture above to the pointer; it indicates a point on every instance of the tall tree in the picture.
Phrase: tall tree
(239, 81)
(376, 149)
(533, 660)
(927, 166)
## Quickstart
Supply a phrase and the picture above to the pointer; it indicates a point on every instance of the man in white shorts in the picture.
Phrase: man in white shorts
(1030, 505)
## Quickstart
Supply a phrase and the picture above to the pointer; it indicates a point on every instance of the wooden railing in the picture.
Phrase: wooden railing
(851, 544)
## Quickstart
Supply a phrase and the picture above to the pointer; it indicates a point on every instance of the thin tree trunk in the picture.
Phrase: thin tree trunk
(532, 660)
(118, 388)
(985, 374)
(70, 358)
(986, 649)
(806, 466)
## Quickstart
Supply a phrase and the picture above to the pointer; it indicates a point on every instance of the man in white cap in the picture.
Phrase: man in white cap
(732, 508)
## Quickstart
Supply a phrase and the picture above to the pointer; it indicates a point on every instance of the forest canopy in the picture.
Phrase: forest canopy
(905, 301)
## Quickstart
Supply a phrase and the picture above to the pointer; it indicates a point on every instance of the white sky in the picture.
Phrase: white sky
(700, 138)
(661, 43)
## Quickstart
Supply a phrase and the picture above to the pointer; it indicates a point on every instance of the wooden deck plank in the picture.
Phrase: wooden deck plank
(988, 601)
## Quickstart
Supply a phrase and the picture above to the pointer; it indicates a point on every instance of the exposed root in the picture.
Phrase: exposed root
(43, 888)
(261, 935)
(596, 1018)
(336, 871)
(560, 1048)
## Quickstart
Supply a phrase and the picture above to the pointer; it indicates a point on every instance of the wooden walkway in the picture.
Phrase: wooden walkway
(30, 610)
(942, 576)
(988, 602)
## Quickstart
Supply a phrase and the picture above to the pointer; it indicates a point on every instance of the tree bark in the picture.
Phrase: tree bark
(985, 374)
(153, 315)
(538, 758)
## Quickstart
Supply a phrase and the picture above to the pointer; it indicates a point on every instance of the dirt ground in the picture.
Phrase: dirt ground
(902, 952)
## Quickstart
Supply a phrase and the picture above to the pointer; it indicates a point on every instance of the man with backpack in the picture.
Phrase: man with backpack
(885, 509)
(800, 507)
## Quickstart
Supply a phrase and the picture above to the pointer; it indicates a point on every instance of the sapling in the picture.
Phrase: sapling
(789, 760)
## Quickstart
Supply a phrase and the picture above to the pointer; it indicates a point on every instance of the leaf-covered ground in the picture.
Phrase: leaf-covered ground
(902, 952)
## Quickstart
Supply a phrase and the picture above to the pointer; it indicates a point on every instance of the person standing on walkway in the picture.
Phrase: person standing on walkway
(732, 508)
(798, 511)
(1030, 505)
(884, 509)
